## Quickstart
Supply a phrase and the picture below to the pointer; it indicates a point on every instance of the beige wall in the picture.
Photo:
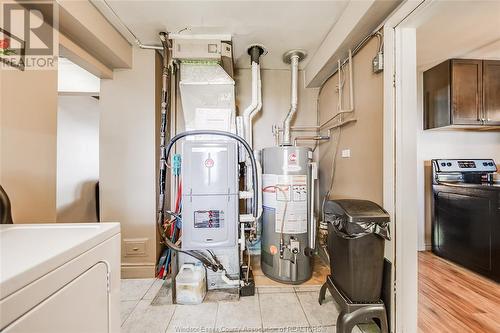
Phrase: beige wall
(360, 176)
(127, 160)
(275, 102)
(28, 120)
(77, 158)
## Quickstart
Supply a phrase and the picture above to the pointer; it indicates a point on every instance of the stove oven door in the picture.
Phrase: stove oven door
(465, 227)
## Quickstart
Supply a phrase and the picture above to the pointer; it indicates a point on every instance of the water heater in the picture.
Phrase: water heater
(287, 233)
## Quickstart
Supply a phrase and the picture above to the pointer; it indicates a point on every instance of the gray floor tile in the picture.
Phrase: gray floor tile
(193, 318)
(126, 308)
(307, 288)
(147, 318)
(331, 329)
(226, 295)
(281, 310)
(274, 290)
(240, 316)
(164, 295)
(323, 329)
(362, 328)
(154, 289)
(369, 328)
(356, 330)
(134, 289)
(318, 315)
(288, 329)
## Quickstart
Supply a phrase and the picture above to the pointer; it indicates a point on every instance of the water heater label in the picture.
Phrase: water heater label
(287, 192)
(208, 219)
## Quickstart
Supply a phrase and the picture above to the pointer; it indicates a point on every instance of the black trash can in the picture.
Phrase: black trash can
(357, 230)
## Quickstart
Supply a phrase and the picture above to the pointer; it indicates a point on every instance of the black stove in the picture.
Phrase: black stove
(466, 214)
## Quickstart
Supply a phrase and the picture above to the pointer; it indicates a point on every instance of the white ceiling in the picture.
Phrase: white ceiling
(279, 25)
(458, 29)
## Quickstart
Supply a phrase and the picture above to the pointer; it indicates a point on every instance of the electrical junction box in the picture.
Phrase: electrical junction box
(210, 194)
(378, 63)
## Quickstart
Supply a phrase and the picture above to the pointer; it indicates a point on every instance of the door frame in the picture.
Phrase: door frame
(400, 157)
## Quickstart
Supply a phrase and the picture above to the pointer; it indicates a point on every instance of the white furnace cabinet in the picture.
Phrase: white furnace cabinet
(60, 278)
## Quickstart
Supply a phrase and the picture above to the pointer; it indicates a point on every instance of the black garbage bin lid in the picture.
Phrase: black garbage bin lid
(357, 211)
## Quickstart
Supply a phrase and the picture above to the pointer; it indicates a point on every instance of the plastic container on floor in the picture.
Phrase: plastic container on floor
(191, 284)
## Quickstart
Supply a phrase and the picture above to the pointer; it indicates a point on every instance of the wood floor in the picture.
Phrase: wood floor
(454, 299)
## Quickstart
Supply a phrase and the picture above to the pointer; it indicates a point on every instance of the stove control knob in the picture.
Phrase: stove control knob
(485, 163)
(448, 164)
(490, 164)
(443, 164)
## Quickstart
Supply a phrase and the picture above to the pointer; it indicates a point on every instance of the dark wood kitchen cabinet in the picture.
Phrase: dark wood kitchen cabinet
(491, 92)
(462, 93)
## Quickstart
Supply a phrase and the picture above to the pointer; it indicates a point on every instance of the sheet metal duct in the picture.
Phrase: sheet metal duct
(207, 95)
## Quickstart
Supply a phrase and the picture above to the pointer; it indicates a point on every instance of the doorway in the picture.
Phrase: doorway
(77, 144)
(420, 35)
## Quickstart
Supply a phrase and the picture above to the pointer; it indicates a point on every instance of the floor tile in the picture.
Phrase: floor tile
(288, 329)
(126, 308)
(147, 318)
(356, 330)
(323, 329)
(331, 329)
(281, 310)
(274, 290)
(164, 295)
(226, 295)
(154, 289)
(243, 315)
(318, 315)
(193, 318)
(307, 288)
(369, 328)
(134, 289)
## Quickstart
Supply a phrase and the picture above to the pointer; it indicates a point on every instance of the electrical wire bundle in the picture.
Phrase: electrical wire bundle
(172, 229)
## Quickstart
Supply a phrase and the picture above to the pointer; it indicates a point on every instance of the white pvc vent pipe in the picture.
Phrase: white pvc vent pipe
(255, 105)
(294, 61)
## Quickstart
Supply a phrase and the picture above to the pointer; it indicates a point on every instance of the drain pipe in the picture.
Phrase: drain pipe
(293, 58)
